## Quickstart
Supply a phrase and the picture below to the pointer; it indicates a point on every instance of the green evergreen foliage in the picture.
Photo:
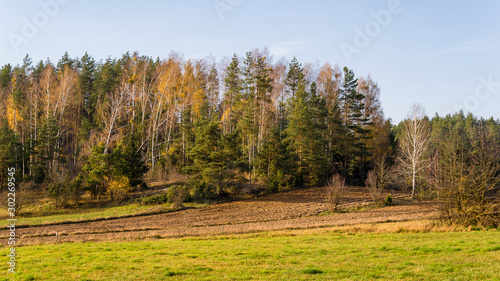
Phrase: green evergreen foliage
(96, 171)
(276, 162)
(89, 96)
(11, 152)
(5, 75)
(233, 88)
(294, 77)
(388, 200)
(127, 161)
(107, 78)
(306, 125)
(353, 150)
(48, 148)
(214, 161)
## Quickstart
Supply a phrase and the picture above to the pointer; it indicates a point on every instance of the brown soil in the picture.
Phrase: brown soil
(287, 210)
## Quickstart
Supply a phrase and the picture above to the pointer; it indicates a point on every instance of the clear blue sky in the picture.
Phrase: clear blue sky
(432, 52)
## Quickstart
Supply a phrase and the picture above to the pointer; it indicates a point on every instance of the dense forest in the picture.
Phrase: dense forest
(111, 127)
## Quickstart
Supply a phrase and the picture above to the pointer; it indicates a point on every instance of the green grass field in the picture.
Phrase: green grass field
(285, 255)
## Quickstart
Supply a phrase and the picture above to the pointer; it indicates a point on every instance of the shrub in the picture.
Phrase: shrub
(202, 190)
(64, 191)
(23, 197)
(156, 199)
(119, 189)
(175, 194)
(388, 200)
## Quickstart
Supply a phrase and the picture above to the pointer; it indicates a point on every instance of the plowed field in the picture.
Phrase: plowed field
(293, 209)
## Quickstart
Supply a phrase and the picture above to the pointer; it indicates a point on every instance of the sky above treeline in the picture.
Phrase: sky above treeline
(442, 54)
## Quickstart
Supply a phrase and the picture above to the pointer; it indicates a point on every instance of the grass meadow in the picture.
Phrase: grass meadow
(319, 254)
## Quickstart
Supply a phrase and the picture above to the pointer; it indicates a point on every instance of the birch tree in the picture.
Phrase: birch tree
(110, 115)
(413, 144)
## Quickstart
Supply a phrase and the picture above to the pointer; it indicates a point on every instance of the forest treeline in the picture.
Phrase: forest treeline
(107, 127)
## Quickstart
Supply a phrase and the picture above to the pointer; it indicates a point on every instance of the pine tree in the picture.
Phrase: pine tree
(277, 163)
(11, 152)
(48, 148)
(233, 88)
(213, 160)
(306, 125)
(5, 75)
(65, 61)
(294, 77)
(247, 113)
(87, 78)
(353, 127)
(263, 89)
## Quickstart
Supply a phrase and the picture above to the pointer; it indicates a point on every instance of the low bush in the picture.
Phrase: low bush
(119, 189)
(65, 192)
(175, 194)
(388, 200)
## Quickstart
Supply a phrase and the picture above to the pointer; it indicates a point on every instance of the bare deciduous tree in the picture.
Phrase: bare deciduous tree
(467, 178)
(375, 189)
(334, 191)
(413, 143)
(110, 114)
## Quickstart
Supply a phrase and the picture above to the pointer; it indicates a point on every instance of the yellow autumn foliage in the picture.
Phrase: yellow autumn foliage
(119, 189)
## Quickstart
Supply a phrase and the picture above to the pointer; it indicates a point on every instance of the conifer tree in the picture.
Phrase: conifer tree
(233, 88)
(87, 78)
(48, 148)
(96, 171)
(353, 133)
(294, 77)
(213, 160)
(10, 152)
(277, 162)
(306, 125)
(127, 160)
